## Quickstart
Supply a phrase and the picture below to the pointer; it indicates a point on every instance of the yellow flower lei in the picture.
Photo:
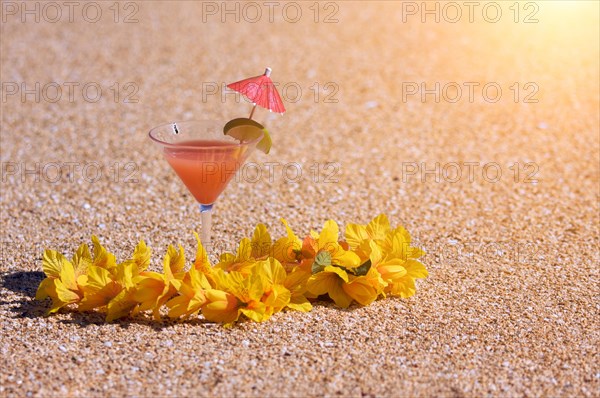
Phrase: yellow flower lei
(262, 278)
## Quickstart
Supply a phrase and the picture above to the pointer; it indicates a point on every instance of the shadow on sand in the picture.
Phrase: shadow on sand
(24, 284)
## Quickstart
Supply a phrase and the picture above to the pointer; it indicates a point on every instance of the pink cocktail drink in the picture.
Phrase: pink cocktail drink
(205, 166)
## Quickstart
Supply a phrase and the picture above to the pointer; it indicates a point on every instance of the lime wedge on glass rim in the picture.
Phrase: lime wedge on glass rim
(245, 129)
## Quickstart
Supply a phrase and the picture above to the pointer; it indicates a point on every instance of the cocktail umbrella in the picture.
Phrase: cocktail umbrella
(261, 91)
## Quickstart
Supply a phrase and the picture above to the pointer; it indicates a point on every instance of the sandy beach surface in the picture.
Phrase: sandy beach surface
(478, 132)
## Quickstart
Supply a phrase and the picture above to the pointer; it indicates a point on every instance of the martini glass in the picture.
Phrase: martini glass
(205, 160)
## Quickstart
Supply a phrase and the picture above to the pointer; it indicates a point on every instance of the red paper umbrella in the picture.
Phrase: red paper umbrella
(261, 91)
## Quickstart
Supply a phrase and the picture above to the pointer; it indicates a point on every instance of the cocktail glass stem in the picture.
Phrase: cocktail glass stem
(206, 215)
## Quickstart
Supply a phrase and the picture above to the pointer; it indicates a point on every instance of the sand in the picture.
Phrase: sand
(511, 304)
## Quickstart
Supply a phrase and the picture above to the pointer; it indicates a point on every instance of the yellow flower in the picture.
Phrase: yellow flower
(377, 229)
(193, 286)
(99, 288)
(111, 285)
(201, 263)
(275, 295)
(191, 295)
(287, 249)
(397, 265)
(154, 289)
(365, 289)
(248, 252)
(60, 283)
(330, 281)
(247, 289)
(390, 266)
(260, 243)
(295, 282)
(102, 258)
(81, 260)
(325, 249)
(99, 284)
(331, 265)
(221, 306)
(403, 244)
(123, 303)
(141, 258)
(242, 261)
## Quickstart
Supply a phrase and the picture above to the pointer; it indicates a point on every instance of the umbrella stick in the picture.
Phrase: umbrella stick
(252, 113)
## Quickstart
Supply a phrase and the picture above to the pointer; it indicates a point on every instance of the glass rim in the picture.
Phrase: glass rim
(181, 122)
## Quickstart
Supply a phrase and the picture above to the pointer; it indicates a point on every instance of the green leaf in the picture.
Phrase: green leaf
(363, 269)
(316, 268)
(322, 260)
